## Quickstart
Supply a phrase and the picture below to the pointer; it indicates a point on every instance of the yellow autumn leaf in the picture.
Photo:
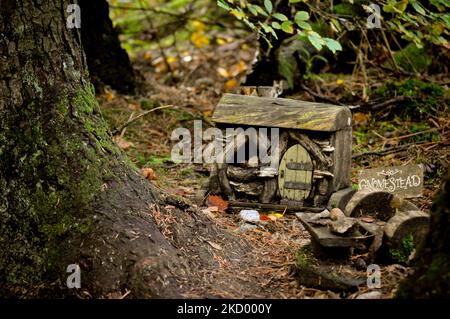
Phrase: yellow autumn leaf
(148, 56)
(199, 39)
(275, 216)
(207, 113)
(109, 95)
(231, 84)
(223, 72)
(221, 41)
(172, 59)
(238, 68)
(198, 26)
(238, 14)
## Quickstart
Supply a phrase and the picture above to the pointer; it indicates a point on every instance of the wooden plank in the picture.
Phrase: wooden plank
(342, 158)
(269, 191)
(300, 166)
(299, 176)
(406, 181)
(295, 184)
(283, 113)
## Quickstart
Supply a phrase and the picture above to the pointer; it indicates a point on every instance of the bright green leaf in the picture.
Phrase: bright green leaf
(260, 10)
(316, 40)
(301, 16)
(268, 29)
(276, 25)
(418, 7)
(280, 16)
(253, 10)
(223, 5)
(332, 44)
(286, 26)
(304, 25)
(268, 5)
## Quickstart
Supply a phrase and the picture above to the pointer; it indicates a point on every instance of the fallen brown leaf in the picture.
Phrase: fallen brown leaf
(148, 173)
(214, 245)
(217, 201)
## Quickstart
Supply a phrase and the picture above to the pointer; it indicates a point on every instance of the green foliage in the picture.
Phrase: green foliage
(421, 23)
(413, 59)
(418, 23)
(425, 97)
(402, 253)
(268, 22)
(148, 104)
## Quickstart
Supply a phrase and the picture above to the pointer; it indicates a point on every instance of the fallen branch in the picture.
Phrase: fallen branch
(124, 125)
(321, 97)
(388, 151)
(411, 135)
(382, 105)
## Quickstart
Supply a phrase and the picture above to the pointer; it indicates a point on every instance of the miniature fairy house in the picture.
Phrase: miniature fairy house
(313, 150)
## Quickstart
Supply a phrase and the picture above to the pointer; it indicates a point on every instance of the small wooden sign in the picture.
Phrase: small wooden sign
(406, 181)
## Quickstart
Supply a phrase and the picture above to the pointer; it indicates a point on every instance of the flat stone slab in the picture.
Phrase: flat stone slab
(322, 235)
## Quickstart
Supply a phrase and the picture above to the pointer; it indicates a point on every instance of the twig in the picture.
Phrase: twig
(122, 132)
(388, 151)
(382, 105)
(412, 134)
(320, 96)
(391, 54)
(124, 125)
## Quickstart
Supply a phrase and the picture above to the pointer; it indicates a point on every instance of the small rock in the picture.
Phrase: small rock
(370, 295)
(250, 215)
(342, 225)
(247, 227)
(360, 264)
(323, 214)
(336, 213)
(367, 219)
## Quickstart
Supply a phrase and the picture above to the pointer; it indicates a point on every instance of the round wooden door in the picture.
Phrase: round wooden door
(295, 174)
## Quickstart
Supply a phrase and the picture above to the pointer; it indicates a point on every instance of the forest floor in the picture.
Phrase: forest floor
(191, 82)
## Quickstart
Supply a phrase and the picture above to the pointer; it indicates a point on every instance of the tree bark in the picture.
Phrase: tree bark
(68, 195)
(107, 61)
(431, 278)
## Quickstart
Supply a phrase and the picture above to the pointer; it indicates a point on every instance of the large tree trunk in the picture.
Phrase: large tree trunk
(431, 278)
(67, 194)
(108, 62)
